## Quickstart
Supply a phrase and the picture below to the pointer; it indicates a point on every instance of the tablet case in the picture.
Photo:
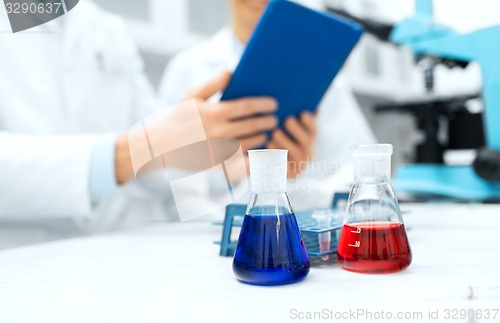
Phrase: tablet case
(293, 55)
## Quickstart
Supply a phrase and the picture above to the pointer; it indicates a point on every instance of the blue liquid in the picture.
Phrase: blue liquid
(270, 251)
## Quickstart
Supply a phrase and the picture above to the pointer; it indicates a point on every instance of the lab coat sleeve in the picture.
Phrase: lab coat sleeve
(341, 124)
(102, 169)
(45, 176)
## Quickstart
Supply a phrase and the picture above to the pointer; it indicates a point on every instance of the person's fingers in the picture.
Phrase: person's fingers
(292, 171)
(247, 107)
(292, 165)
(213, 86)
(271, 145)
(298, 132)
(308, 120)
(247, 127)
(253, 141)
(281, 140)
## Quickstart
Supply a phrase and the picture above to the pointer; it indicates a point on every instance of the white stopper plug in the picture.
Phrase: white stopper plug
(268, 170)
(372, 163)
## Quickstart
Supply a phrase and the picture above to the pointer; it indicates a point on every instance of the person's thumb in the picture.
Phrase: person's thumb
(213, 86)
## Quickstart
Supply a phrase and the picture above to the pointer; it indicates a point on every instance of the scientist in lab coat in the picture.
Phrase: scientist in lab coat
(338, 125)
(69, 92)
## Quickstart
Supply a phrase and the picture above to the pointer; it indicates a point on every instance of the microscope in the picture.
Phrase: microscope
(434, 45)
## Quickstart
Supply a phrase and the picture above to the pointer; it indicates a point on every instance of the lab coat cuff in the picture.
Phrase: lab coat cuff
(102, 179)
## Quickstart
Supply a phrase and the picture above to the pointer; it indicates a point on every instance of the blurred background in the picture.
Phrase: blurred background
(379, 72)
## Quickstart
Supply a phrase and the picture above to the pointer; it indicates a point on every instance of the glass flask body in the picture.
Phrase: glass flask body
(373, 238)
(270, 248)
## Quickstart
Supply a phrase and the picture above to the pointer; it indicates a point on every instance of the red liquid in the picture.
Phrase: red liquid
(374, 247)
(324, 246)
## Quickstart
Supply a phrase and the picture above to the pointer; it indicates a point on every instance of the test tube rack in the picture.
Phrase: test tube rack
(307, 224)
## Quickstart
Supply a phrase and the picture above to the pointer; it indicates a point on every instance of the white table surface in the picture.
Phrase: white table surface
(172, 273)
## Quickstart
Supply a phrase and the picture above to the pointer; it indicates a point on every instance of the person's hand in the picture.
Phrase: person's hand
(193, 121)
(298, 140)
(244, 119)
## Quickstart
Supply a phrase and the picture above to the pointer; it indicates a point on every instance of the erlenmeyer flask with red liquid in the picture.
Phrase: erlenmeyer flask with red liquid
(373, 238)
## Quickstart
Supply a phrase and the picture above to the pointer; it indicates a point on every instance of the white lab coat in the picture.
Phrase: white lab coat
(340, 121)
(61, 87)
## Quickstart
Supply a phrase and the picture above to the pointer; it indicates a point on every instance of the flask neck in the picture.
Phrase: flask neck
(372, 202)
(372, 170)
(268, 169)
(269, 204)
(372, 163)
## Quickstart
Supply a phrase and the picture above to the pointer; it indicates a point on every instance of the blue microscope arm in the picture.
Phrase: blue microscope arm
(425, 37)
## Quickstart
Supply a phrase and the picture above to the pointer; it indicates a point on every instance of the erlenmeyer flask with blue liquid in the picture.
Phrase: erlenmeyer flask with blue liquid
(270, 248)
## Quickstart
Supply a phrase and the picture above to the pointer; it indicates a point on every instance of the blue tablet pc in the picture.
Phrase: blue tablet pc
(293, 55)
